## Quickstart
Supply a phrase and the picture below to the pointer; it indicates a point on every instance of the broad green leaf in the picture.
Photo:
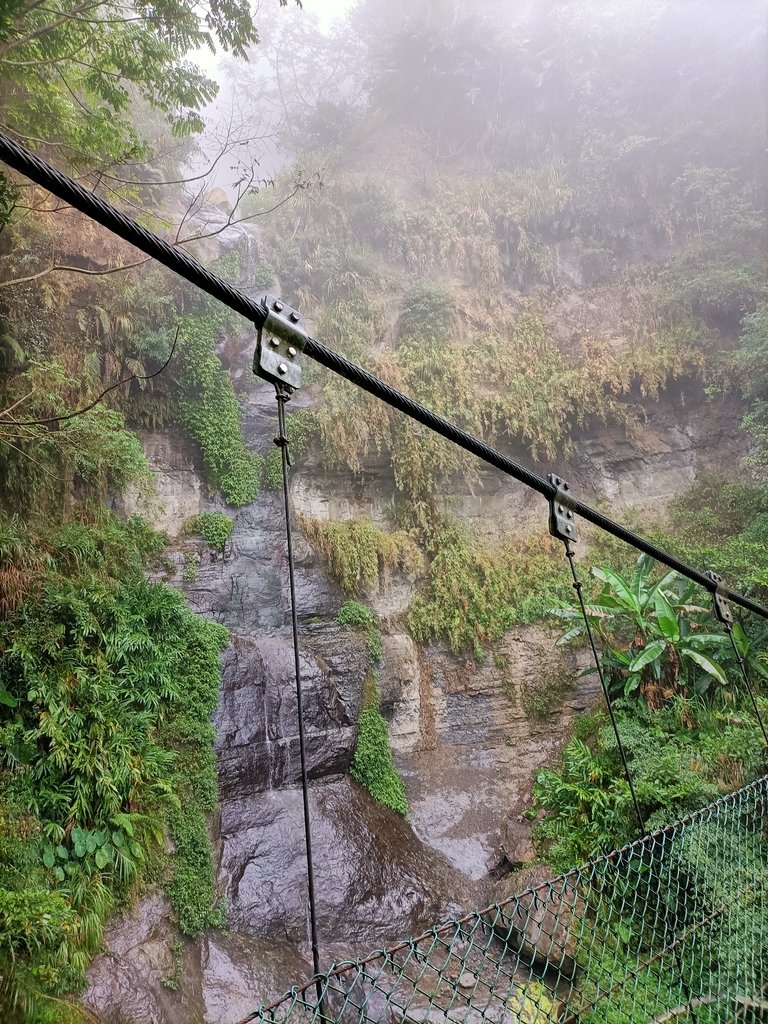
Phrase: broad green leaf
(631, 685)
(706, 663)
(619, 586)
(741, 639)
(702, 684)
(567, 637)
(7, 699)
(650, 653)
(708, 638)
(102, 858)
(661, 584)
(667, 619)
(49, 858)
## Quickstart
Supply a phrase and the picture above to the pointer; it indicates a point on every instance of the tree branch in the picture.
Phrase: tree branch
(95, 402)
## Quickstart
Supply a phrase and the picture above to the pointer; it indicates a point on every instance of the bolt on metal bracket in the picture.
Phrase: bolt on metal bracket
(721, 605)
(562, 523)
(281, 341)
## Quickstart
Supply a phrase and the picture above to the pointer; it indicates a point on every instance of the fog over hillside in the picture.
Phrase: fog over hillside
(543, 219)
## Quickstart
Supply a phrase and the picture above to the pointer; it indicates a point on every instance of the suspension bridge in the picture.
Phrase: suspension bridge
(673, 925)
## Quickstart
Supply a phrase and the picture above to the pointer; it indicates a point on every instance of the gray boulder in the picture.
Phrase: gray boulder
(538, 917)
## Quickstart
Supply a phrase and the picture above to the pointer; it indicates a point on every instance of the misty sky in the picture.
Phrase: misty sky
(327, 10)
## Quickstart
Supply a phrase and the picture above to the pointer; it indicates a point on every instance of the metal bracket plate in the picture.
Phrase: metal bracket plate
(722, 608)
(561, 519)
(280, 343)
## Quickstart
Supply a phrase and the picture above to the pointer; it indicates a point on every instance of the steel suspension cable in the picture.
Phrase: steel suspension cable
(190, 269)
(283, 395)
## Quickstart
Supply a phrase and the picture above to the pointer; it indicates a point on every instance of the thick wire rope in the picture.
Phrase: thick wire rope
(188, 267)
(283, 395)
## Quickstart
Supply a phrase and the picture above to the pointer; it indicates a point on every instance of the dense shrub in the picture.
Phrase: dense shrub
(372, 765)
(213, 527)
(359, 553)
(109, 683)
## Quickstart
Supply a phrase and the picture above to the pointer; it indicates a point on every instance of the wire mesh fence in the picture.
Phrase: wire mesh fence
(672, 925)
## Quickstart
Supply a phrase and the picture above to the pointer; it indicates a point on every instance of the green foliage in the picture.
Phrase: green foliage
(372, 765)
(475, 594)
(360, 554)
(75, 78)
(516, 385)
(191, 566)
(113, 683)
(724, 526)
(353, 613)
(655, 639)
(428, 314)
(263, 275)
(208, 408)
(173, 981)
(300, 430)
(41, 466)
(752, 368)
(214, 527)
(542, 695)
(680, 757)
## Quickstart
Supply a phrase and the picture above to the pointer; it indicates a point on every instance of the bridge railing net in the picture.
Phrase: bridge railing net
(674, 924)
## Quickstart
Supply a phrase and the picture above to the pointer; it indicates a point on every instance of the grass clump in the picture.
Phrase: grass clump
(353, 613)
(359, 553)
(372, 765)
(213, 527)
(209, 410)
(541, 696)
(474, 594)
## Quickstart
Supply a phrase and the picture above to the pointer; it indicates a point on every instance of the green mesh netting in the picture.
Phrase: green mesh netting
(671, 926)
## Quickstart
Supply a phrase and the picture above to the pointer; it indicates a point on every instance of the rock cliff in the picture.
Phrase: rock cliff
(461, 736)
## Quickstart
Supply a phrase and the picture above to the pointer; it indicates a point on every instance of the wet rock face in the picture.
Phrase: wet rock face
(257, 721)
(466, 745)
(220, 979)
(375, 881)
(461, 735)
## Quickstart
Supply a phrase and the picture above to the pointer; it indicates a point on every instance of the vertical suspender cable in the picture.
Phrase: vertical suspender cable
(577, 585)
(745, 677)
(283, 395)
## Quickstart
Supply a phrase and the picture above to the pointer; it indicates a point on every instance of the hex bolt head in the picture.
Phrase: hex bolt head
(282, 368)
(568, 529)
(295, 316)
(569, 514)
(291, 351)
(566, 485)
(274, 342)
(559, 510)
(278, 306)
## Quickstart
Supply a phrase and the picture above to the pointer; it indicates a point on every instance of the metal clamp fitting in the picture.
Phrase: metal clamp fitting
(722, 608)
(561, 520)
(281, 341)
